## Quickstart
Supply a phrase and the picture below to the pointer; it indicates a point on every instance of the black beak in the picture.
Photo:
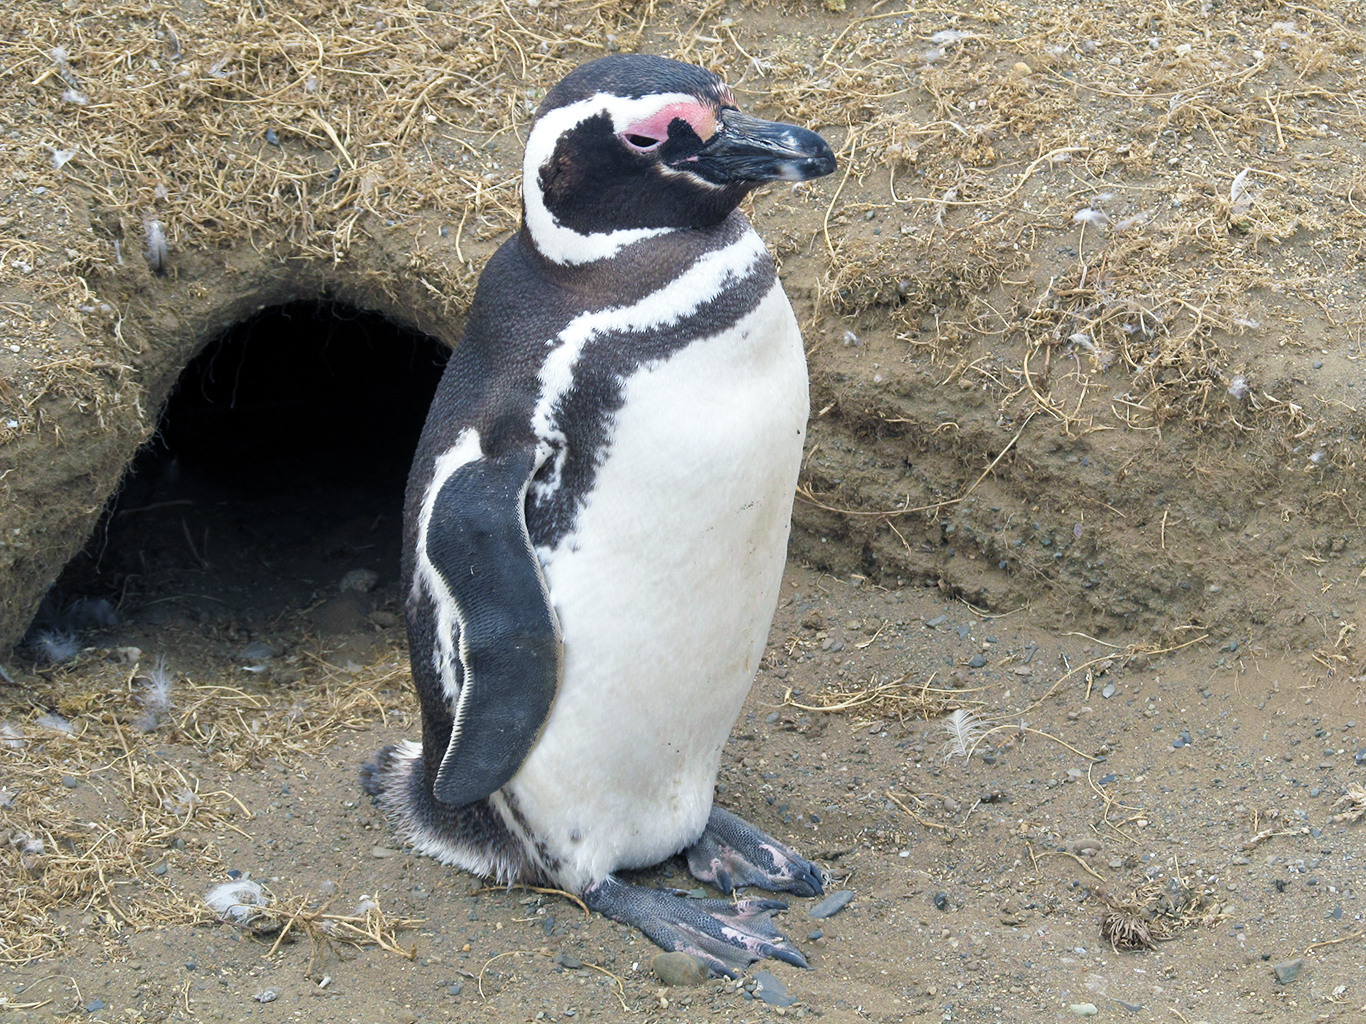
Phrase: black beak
(750, 149)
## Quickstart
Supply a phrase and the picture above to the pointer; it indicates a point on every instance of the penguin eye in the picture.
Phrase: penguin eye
(641, 143)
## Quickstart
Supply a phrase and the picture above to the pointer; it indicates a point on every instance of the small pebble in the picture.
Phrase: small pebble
(266, 995)
(1084, 1009)
(815, 934)
(679, 969)
(69, 781)
(94, 1006)
(977, 661)
(572, 962)
(832, 904)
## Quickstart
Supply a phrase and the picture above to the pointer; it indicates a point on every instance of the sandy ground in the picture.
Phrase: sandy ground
(1196, 789)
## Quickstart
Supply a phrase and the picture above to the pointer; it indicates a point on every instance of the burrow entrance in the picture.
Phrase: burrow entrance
(276, 473)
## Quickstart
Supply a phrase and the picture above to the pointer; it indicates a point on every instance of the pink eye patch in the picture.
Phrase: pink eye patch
(649, 132)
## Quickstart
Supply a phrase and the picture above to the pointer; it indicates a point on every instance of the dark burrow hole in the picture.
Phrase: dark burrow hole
(273, 487)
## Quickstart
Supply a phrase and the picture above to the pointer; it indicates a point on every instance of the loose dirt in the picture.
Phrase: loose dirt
(1201, 794)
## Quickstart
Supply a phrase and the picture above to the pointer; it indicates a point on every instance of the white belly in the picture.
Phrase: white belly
(665, 590)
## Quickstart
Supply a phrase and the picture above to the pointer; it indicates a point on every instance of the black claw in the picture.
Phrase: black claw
(723, 881)
(759, 904)
(811, 878)
(789, 956)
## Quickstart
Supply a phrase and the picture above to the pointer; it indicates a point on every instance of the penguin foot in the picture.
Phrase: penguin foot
(732, 853)
(727, 936)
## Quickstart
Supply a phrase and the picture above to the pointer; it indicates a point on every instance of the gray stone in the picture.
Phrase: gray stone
(1288, 971)
(832, 904)
(771, 990)
(679, 969)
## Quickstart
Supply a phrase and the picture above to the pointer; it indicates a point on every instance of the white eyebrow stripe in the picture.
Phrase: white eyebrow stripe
(556, 242)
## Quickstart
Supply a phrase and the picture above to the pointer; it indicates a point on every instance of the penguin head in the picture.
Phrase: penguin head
(631, 146)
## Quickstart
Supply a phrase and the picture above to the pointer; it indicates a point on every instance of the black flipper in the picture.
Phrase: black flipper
(727, 936)
(509, 643)
(732, 853)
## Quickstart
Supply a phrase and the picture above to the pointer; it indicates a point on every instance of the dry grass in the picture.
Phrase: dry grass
(1167, 157)
(92, 810)
(901, 699)
(288, 132)
(1157, 912)
(1353, 804)
(368, 926)
(1197, 138)
(1127, 927)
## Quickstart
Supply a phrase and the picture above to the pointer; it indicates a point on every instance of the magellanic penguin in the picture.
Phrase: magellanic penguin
(598, 514)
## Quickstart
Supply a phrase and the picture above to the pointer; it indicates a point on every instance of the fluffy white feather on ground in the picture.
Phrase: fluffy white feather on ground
(241, 902)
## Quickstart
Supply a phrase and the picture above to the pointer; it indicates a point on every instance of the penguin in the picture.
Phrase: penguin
(597, 517)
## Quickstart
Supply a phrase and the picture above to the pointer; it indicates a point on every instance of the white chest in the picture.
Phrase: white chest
(665, 589)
